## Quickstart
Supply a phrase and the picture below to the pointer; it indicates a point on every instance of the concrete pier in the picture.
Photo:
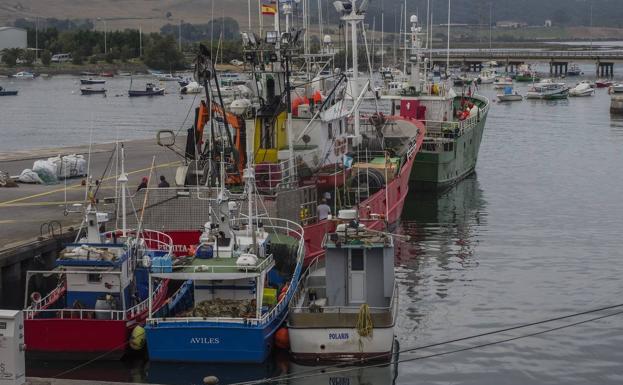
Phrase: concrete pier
(33, 226)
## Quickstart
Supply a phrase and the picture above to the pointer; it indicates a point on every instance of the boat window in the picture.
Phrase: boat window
(330, 130)
(94, 278)
(356, 260)
(340, 127)
(448, 146)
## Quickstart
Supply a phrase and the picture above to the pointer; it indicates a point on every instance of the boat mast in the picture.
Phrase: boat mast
(448, 47)
(123, 180)
(354, 18)
(404, 41)
(382, 40)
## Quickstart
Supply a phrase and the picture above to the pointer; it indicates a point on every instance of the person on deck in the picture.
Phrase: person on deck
(163, 182)
(143, 184)
(323, 210)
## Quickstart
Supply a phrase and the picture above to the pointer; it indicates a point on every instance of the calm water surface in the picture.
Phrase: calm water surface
(535, 234)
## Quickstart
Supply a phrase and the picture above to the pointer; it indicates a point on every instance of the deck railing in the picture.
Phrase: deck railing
(277, 225)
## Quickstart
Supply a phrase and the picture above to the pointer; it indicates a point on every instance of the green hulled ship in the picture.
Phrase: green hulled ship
(450, 149)
(454, 123)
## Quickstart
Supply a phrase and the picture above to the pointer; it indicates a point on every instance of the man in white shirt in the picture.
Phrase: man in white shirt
(323, 210)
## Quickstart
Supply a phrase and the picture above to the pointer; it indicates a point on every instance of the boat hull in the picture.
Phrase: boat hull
(8, 93)
(437, 171)
(75, 338)
(510, 98)
(86, 81)
(92, 92)
(145, 93)
(340, 344)
(203, 341)
(388, 201)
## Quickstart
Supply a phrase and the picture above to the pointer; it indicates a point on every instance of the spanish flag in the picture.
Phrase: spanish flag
(269, 9)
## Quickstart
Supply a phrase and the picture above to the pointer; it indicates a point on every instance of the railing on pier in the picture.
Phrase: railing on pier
(529, 54)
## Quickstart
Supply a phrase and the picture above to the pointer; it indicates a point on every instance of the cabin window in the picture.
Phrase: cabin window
(330, 131)
(356, 260)
(94, 278)
(448, 146)
(340, 127)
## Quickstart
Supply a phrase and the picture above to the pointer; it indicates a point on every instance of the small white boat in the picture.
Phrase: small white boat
(24, 75)
(487, 76)
(582, 89)
(547, 89)
(616, 88)
(502, 82)
(509, 95)
(168, 77)
(191, 88)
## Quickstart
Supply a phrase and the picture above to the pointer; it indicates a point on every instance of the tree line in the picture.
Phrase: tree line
(159, 50)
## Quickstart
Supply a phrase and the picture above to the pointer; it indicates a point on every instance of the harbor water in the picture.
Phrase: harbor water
(534, 234)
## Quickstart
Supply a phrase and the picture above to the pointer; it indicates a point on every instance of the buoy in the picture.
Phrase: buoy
(282, 339)
(137, 338)
(210, 380)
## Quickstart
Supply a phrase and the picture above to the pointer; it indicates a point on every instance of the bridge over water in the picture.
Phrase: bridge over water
(559, 60)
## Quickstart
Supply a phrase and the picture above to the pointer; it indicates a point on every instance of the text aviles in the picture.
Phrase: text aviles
(205, 340)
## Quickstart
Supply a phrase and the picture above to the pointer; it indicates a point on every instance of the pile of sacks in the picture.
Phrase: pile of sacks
(220, 307)
(49, 171)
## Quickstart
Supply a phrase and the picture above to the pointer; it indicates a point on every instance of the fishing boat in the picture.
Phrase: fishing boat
(92, 91)
(92, 81)
(502, 82)
(295, 146)
(574, 70)
(236, 287)
(525, 74)
(548, 90)
(509, 95)
(454, 122)
(150, 90)
(603, 83)
(582, 89)
(487, 76)
(4, 92)
(23, 75)
(347, 305)
(97, 294)
(107, 74)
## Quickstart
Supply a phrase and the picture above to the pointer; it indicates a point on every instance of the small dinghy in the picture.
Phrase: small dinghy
(4, 92)
(92, 91)
(509, 95)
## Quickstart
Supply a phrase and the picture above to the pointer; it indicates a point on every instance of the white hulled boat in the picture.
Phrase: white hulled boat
(347, 305)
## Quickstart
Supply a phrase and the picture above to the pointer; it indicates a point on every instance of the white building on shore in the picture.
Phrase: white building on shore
(13, 37)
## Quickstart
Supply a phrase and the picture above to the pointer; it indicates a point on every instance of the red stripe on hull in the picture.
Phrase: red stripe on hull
(76, 336)
(396, 194)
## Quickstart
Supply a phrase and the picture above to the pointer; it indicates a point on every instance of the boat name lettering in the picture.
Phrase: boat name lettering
(176, 248)
(339, 380)
(338, 336)
(205, 340)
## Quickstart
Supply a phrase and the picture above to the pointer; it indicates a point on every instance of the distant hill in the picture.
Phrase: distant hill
(153, 14)
(606, 13)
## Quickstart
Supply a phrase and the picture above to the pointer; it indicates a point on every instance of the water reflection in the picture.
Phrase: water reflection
(444, 231)
(442, 227)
